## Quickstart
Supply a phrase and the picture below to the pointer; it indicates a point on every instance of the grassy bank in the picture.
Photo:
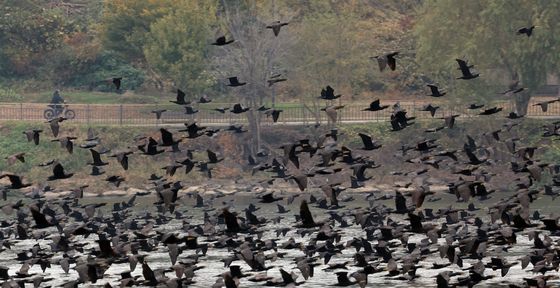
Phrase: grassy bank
(12, 140)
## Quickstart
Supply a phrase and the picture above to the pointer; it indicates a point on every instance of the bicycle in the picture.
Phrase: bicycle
(55, 110)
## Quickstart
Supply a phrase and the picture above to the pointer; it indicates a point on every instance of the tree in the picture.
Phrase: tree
(177, 45)
(28, 32)
(337, 41)
(255, 54)
(485, 32)
(126, 25)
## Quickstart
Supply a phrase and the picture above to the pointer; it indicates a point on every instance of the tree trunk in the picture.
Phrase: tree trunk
(254, 128)
(522, 102)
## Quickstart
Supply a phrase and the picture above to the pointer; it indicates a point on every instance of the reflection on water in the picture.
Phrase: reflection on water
(212, 266)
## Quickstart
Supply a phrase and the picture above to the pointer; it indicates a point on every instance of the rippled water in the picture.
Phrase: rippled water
(213, 266)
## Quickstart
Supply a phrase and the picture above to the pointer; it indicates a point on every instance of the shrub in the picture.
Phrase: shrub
(90, 74)
(9, 95)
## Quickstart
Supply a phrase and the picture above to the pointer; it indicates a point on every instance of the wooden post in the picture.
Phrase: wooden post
(20, 111)
(157, 123)
(121, 114)
(88, 112)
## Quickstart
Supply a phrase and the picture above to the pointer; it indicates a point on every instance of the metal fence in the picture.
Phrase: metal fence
(141, 114)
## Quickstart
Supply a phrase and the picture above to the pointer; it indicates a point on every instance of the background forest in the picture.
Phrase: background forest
(158, 46)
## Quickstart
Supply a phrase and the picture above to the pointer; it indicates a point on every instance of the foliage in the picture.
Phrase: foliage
(337, 41)
(126, 24)
(177, 45)
(9, 95)
(27, 34)
(104, 66)
(74, 43)
(485, 32)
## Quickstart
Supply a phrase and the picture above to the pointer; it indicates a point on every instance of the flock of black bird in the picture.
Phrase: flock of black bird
(381, 237)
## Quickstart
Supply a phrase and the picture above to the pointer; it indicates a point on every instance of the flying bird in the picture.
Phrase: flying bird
(387, 59)
(435, 91)
(375, 106)
(466, 70)
(180, 100)
(221, 41)
(16, 181)
(328, 94)
(526, 30)
(15, 157)
(369, 144)
(158, 113)
(475, 106)
(544, 104)
(275, 79)
(275, 113)
(58, 173)
(276, 26)
(33, 135)
(332, 112)
(238, 109)
(234, 82)
(189, 110)
(117, 82)
(432, 109)
(491, 111)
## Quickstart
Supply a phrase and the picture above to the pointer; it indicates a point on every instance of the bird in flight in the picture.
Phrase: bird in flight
(276, 26)
(387, 59)
(466, 70)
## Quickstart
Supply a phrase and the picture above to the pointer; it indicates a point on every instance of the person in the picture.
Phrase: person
(56, 102)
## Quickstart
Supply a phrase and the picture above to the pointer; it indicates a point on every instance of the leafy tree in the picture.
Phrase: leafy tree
(27, 33)
(337, 40)
(177, 45)
(126, 25)
(485, 32)
(105, 64)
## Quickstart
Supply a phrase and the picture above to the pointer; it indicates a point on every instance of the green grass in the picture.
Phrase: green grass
(86, 97)
(12, 141)
(129, 97)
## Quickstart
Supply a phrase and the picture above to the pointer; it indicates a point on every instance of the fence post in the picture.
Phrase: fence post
(157, 121)
(88, 116)
(303, 116)
(120, 114)
(20, 111)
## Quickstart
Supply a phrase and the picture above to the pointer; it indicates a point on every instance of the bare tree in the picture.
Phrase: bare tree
(253, 56)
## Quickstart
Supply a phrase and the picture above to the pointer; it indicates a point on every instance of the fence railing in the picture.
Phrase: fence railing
(141, 114)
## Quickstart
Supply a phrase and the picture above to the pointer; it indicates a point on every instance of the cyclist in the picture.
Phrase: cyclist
(56, 102)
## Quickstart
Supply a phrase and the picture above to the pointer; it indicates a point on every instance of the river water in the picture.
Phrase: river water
(213, 266)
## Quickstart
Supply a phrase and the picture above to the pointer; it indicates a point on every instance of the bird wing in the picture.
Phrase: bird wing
(330, 91)
(58, 171)
(305, 215)
(331, 113)
(180, 96)
(212, 156)
(391, 61)
(366, 139)
(55, 127)
(95, 155)
(166, 136)
(434, 89)
(463, 67)
(381, 62)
